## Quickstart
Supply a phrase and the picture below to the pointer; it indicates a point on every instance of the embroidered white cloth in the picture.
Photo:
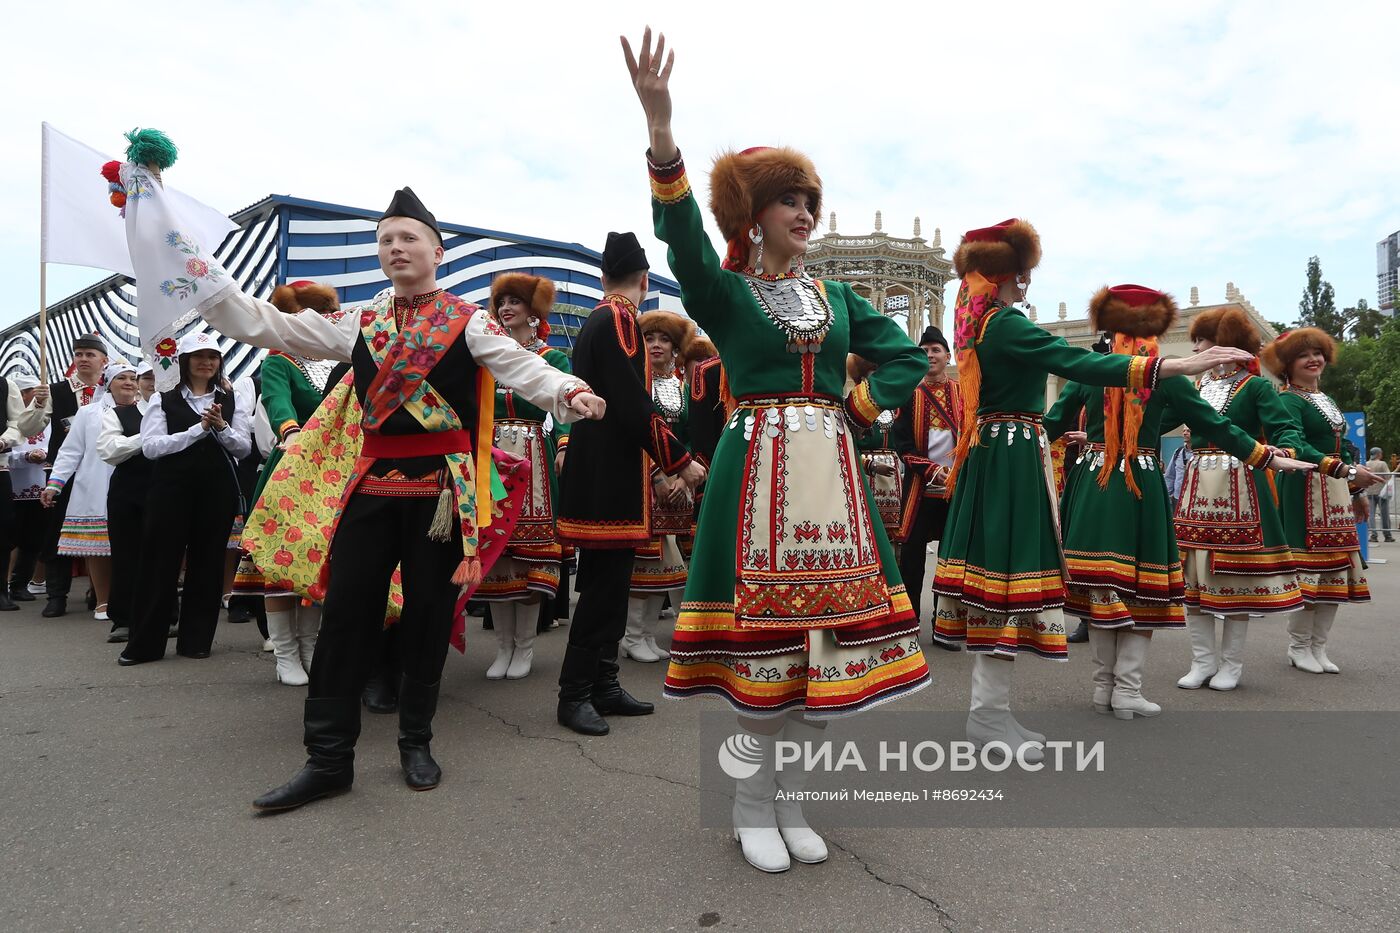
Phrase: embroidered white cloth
(177, 276)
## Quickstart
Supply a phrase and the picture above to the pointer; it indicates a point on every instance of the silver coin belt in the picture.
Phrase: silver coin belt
(1009, 430)
(797, 307)
(776, 419)
(1218, 460)
(515, 431)
(1095, 455)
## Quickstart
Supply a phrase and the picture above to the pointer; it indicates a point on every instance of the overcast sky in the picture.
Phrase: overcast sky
(1180, 144)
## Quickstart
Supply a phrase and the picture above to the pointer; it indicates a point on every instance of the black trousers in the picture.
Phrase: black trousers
(189, 523)
(9, 521)
(603, 583)
(58, 569)
(375, 534)
(928, 526)
(29, 533)
(124, 530)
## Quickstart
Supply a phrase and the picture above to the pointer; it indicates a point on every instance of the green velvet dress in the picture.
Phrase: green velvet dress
(1120, 546)
(878, 447)
(793, 598)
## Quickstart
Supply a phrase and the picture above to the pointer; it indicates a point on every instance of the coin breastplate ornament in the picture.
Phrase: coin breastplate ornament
(1218, 392)
(797, 306)
(666, 393)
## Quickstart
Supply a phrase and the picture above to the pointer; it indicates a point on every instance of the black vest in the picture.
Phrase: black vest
(204, 463)
(132, 477)
(4, 404)
(64, 405)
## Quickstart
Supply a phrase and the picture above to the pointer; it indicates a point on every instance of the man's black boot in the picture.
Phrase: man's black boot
(332, 726)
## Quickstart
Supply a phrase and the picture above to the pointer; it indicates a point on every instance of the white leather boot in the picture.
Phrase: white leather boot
(503, 624)
(1128, 700)
(1204, 664)
(802, 843)
(755, 822)
(653, 622)
(634, 644)
(1232, 635)
(989, 717)
(282, 633)
(1300, 642)
(1324, 615)
(527, 622)
(1104, 644)
(308, 628)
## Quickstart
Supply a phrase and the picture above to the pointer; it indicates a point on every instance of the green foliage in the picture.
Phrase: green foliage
(1380, 380)
(1318, 308)
(1362, 320)
(1344, 379)
(150, 147)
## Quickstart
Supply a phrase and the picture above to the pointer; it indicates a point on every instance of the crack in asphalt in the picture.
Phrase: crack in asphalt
(945, 919)
(1308, 895)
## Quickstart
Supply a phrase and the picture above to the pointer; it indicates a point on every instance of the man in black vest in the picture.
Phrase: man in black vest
(604, 509)
(59, 402)
(16, 423)
(406, 336)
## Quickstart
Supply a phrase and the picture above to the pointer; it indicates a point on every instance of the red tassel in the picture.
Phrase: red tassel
(468, 573)
(112, 171)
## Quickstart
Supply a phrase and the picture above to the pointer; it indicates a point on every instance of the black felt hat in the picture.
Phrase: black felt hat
(406, 204)
(934, 335)
(90, 342)
(623, 255)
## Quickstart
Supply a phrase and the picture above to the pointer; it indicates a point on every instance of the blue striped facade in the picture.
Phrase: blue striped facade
(282, 239)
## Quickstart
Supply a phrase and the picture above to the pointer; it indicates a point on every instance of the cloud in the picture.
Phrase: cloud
(1176, 145)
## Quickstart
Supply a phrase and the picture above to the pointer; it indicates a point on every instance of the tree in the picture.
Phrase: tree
(1319, 305)
(1364, 320)
(1345, 378)
(1381, 379)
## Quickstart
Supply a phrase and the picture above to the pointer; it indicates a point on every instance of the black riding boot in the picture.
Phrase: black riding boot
(1080, 634)
(332, 726)
(609, 698)
(576, 680)
(417, 704)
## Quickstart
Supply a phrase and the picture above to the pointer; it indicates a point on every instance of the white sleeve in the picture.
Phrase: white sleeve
(237, 438)
(155, 441)
(113, 446)
(70, 453)
(14, 417)
(259, 323)
(523, 371)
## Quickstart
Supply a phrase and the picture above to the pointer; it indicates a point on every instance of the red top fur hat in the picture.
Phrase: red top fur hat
(536, 291)
(1136, 316)
(681, 330)
(1281, 353)
(1227, 327)
(303, 295)
(743, 183)
(1009, 248)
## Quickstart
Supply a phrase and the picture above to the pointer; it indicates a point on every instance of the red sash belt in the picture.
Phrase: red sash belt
(428, 444)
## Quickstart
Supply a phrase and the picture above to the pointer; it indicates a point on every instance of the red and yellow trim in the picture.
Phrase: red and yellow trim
(669, 183)
(999, 592)
(861, 408)
(1260, 457)
(1142, 372)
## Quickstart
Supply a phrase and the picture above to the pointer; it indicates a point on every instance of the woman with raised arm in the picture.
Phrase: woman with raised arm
(1000, 577)
(793, 611)
(1319, 511)
(1125, 576)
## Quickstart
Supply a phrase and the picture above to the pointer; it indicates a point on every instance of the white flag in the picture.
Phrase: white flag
(80, 225)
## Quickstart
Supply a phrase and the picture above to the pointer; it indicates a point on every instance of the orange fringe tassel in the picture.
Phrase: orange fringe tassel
(1122, 416)
(468, 573)
(969, 368)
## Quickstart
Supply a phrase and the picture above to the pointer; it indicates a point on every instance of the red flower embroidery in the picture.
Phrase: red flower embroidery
(270, 526)
(331, 502)
(438, 318)
(293, 535)
(422, 358)
(286, 504)
(430, 400)
(283, 558)
(379, 341)
(310, 518)
(166, 347)
(393, 383)
(314, 555)
(366, 317)
(307, 487)
(312, 423)
(281, 474)
(337, 451)
(196, 268)
(331, 476)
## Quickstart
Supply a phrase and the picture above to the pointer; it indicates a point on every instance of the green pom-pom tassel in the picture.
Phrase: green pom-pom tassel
(150, 147)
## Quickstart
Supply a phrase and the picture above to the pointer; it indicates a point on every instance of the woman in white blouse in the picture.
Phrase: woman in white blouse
(194, 433)
(119, 445)
(84, 530)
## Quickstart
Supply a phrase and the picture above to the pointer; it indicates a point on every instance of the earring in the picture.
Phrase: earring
(756, 237)
(1022, 284)
(534, 326)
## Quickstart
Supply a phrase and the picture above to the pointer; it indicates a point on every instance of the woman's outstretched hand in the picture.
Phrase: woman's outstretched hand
(651, 79)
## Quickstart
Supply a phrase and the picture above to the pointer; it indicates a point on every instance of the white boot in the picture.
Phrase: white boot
(1324, 615)
(802, 843)
(634, 643)
(527, 625)
(308, 628)
(1300, 640)
(1232, 634)
(281, 632)
(1104, 644)
(989, 718)
(1204, 663)
(503, 624)
(653, 622)
(1128, 700)
(755, 822)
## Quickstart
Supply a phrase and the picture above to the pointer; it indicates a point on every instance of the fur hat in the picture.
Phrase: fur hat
(303, 295)
(699, 348)
(1227, 326)
(537, 291)
(680, 329)
(858, 367)
(1012, 247)
(1132, 310)
(1280, 354)
(743, 183)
